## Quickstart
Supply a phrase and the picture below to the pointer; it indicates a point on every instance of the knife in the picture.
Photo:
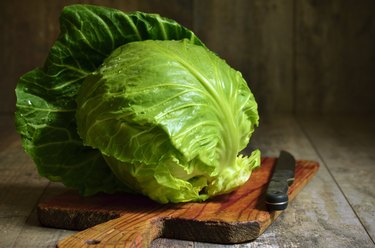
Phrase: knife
(282, 178)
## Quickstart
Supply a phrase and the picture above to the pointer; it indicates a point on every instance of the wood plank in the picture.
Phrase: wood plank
(161, 242)
(256, 38)
(320, 216)
(7, 132)
(32, 234)
(335, 56)
(20, 190)
(10, 227)
(347, 147)
(232, 218)
(22, 45)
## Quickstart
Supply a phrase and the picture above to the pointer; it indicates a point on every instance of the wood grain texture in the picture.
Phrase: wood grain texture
(32, 234)
(347, 146)
(298, 56)
(7, 137)
(231, 218)
(256, 38)
(20, 189)
(20, 186)
(335, 56)
(23, 44)
(320, 216)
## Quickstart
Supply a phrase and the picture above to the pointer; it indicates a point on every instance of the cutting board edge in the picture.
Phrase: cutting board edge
(231, 232)
(62, 218)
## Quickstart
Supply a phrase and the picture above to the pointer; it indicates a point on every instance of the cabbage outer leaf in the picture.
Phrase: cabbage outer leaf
(45, 115)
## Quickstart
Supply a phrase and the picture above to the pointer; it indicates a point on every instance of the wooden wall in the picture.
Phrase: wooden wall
(298, 56)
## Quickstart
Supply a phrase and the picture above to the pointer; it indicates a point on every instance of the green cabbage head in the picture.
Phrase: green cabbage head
(135, 102)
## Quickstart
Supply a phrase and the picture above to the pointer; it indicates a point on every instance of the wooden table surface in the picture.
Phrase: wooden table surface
(336, 209)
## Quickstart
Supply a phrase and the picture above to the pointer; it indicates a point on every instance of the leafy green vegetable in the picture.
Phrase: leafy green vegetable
(135, 102)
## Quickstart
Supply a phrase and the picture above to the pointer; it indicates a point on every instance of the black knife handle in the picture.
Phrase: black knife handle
(277, 191)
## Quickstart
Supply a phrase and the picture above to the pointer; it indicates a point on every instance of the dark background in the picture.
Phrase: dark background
(298, 56)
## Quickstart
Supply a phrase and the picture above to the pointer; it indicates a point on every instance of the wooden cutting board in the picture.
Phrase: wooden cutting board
(134, 221)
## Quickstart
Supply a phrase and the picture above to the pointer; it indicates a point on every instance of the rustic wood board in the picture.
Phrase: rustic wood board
(352, 159)
(134, 220)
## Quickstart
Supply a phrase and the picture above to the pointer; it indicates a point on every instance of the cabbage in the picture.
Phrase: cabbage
(136, 102)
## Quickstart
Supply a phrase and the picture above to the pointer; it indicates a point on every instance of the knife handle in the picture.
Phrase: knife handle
(277, 191)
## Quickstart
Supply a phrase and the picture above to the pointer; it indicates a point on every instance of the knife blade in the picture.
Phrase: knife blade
(282, 178)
